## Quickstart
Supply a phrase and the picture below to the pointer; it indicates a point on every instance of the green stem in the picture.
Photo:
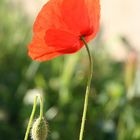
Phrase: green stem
(87, 91)
(32, 115)
(41, 107)
(31, 119)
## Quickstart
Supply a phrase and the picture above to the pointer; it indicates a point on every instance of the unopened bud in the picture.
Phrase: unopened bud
(39, 129)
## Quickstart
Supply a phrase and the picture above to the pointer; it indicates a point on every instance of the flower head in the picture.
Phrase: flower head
(39, 129)
(60, 25)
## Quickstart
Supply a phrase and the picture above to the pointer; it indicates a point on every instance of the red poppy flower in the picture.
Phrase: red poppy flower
(59, 26)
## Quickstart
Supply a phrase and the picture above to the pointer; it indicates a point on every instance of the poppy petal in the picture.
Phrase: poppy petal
(94, 15)
(49, 17)
(40, 52)
(59, 26)
(63, 41)
(75, 15)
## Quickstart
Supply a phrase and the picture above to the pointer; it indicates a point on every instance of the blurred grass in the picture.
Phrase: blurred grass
(113, 112)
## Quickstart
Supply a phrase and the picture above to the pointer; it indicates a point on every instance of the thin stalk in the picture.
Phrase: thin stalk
(32, 115)
(41, 107)
(87, 90)
(31, 119)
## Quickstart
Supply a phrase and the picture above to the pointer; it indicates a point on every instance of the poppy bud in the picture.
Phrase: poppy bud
(39, 129)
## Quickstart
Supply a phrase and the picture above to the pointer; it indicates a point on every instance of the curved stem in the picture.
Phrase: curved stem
(87, 91)
(41, 107)
(32, 115)
(31, 119)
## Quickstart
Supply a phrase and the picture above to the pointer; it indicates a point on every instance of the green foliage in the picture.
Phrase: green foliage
(113, 112)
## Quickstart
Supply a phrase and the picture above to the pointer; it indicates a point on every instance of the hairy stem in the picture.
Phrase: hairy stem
(41, 107)
(31, 119)
(32, 115)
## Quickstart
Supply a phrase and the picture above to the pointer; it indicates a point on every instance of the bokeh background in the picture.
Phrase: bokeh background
(114, 102)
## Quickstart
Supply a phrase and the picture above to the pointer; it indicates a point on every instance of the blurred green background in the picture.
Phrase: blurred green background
(114, 106)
